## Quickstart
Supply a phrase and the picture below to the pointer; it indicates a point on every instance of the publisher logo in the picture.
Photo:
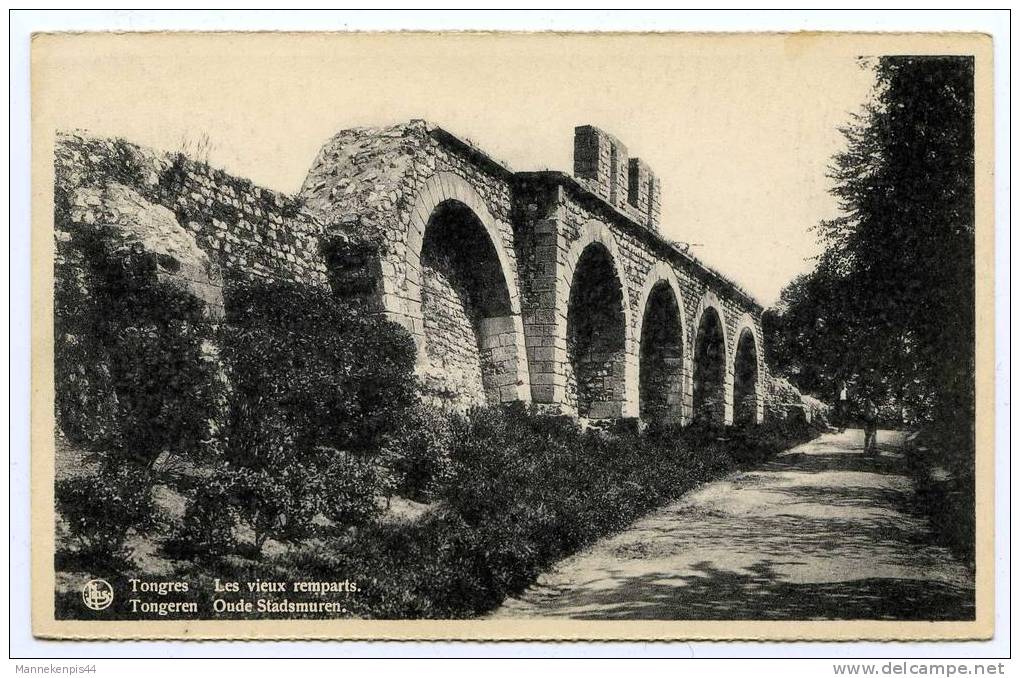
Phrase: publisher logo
(97, 594)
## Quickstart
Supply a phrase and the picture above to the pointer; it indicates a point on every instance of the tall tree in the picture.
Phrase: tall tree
(893, 292)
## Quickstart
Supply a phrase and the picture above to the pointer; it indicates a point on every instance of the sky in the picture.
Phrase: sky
(739, 129)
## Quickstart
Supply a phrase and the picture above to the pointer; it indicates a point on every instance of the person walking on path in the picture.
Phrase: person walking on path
(870, 416)
(843, 409)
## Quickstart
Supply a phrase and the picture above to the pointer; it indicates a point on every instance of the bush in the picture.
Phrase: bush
(419, 455)
(148, 341)
(533, 489)
(207, 529)
(751, 445)
(282, 500)
(323, 370)
(350, 486)
(525, 491)
(135, 385)
(277, 501)
(318, 388)
(945, 487)
(102, 509)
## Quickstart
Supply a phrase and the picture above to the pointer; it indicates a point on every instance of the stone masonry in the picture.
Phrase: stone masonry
(543, 287)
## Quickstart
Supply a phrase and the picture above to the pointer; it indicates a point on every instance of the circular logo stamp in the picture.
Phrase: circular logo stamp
(97, 594)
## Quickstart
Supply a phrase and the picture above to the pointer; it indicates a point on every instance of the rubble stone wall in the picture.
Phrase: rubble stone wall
(247, 232)
(489, 306)
(641, 261)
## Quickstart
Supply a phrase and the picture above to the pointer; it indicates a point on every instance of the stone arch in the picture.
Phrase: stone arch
(748, 392)
(594, 316)
(661, 335)
(459, 297)
(711, 381)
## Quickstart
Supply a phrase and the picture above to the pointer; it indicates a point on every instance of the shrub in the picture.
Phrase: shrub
(525, 491)
(419, 455)
(136, 387)
(282, 499)
(165, 390)
(277, 500)
(207, 529)
(533, 489)
(318, 387)
(333, 375)
(944, 484)
(102, 509)
(135, 384)
(350, 486)
(148, 339)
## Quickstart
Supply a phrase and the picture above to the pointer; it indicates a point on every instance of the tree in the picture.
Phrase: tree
(892, 294)
(318, 388)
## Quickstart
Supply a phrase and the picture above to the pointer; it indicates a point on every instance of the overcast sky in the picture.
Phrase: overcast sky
(739, 130)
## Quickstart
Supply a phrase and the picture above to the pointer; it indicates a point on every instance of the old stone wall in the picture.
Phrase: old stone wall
(132, 224)
(454, 373)
(516, 286)
(661, 362)
(642, 261)
(247, 231)
(386, 185)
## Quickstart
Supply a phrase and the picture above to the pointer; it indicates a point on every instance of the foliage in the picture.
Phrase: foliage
(350, 488)
(149, 339)
(317, 388)
(419, 452)
(276, 501)
(101, 509)
(321, 371)
(948, 498)
(890, 304)
(207, 529)
(282, 496)
(136, 388)
(522, 492)
(525, 492)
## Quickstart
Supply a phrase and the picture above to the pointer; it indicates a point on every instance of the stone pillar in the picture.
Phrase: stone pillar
(637, 185)
(630, 396)
(728, 402)
(601, 162)
(498, 337)
(546, 345)
(654, 202)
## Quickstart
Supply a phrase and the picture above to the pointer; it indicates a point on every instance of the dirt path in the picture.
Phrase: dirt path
(821, 532)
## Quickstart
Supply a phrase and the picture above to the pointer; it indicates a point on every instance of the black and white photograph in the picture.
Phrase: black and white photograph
(566, 335)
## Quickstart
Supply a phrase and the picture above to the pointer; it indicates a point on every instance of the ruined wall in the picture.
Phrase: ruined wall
(455, 361)
(477, 261)
(134, 226)
(371, 184)
(537, 214)
(247, 231)
(602, 165)
(384, 185)
(590, 203)
(559, 224)
(464, 305)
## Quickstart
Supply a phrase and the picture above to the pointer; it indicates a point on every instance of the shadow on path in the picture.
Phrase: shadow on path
(820, 532)
(759, 593)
